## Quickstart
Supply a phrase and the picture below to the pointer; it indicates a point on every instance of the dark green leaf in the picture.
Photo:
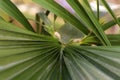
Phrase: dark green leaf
(12, 10)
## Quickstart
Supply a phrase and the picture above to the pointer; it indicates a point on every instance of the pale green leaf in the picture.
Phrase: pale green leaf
(93, 63)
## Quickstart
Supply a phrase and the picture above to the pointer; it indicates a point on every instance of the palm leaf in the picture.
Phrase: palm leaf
(109, 24)
(60, 11)
(25, 55)
(96, 29)
(12, 10)
(97, 26)
(110, 11)
(114, 39)
(98, 9)
(39, 57)
(24, 51)
(32, 57)
(93, 63)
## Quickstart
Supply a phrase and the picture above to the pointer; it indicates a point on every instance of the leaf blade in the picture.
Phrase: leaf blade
(12, 10)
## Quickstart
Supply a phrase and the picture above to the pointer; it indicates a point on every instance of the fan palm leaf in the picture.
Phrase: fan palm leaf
(26, 55)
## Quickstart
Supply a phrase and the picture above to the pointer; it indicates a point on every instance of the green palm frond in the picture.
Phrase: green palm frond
(23, 50)
(90, 19)
(110, 11)
(31, 56)
(34, 57)
(93, 63)
(8, 7)
(26, 55)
